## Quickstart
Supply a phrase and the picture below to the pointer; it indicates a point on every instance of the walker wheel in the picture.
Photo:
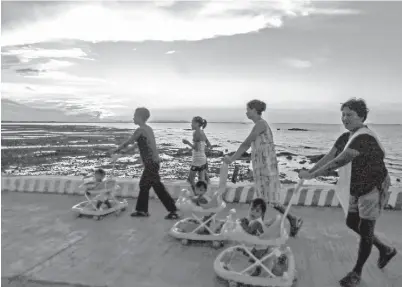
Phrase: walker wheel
(97, 217)
(117, 213)
(123, 209)
(185, 241)
(79, 215)
(217, 244)
(233, 284)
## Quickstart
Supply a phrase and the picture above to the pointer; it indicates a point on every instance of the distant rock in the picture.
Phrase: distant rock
(303, 161)
(398, 180)
(244, 156)
(315, 158)
(289, 157)
(285, 153)
(214, 153)
(188, 152)
(308, 147)
(297, 129)
(288, 181)
(183, 152)
(331, 173)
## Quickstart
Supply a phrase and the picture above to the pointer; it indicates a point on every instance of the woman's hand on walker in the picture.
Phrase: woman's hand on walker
(186, 141)
(305, 174)
(227, 159)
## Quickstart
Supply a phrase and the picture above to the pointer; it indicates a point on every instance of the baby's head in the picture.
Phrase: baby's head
(141, 115)
(99, 174)
(257, 209)
(200, 187)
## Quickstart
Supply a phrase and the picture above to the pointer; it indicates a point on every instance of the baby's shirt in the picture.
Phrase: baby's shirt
(91, 185)
(201, 199)
(254, 227)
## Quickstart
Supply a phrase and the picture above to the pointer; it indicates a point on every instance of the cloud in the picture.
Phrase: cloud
(109, 21)
(39, 63)
(75, 100)
(332, 11)
(299, 64)
(28, 53)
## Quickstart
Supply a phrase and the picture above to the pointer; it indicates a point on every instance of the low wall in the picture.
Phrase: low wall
(311, 195)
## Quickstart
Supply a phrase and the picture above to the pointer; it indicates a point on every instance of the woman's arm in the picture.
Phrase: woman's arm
(323, 161)
(256, 131)
(344, 158)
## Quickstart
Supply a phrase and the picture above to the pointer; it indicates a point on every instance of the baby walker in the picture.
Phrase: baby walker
(185, 204)
(108, 187)
(272, 240)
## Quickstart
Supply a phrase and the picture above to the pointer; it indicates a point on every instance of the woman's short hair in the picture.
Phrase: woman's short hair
(258, 105)
(357, 105)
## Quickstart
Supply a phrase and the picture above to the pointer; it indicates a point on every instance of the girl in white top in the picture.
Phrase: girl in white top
(200, 142)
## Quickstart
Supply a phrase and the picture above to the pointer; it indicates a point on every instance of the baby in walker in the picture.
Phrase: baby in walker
(202, 199)
(254, 224)
(95, 182)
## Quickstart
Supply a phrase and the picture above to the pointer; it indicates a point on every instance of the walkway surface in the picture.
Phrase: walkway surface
(44, 244)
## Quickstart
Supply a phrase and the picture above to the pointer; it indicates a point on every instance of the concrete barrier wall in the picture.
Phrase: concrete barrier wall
(313, 195)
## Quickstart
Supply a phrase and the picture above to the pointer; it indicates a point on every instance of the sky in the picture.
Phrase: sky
(104, 59)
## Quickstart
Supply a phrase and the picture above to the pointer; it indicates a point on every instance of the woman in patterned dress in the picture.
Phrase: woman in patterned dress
(264, 161)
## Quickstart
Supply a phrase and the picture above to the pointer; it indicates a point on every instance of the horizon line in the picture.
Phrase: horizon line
(180, 122)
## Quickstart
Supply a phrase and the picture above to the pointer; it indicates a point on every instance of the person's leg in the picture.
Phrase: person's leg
(162, 193)
(201, 175)
(206, 175)
(98, 204)
(141, 208)
(108, 204)
(353, 222)
(368, 209)
(295, 222)
(366, 230)
(191, 177)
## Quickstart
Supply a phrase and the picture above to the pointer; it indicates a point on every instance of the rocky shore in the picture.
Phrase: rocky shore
(74, 150)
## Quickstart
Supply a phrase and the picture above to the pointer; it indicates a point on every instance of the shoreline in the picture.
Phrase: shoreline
(69, 150)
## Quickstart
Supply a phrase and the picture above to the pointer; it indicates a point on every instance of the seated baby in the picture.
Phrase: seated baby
(95, 182)
(202, 199)
(254, 225)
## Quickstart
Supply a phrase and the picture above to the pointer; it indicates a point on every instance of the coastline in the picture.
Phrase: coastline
(74, 150)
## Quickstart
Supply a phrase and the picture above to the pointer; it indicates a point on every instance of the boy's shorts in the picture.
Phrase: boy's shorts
(369, 206)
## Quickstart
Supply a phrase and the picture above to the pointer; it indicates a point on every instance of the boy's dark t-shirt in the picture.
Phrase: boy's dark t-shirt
(368, 169)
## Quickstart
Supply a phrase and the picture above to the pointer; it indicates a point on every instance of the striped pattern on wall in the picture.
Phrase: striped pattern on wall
(235, 193)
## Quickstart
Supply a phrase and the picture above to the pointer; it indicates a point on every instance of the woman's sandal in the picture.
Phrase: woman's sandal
(139, 214)
(172, 216)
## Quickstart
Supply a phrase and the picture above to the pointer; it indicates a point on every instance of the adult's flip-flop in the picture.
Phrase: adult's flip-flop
(139, 214)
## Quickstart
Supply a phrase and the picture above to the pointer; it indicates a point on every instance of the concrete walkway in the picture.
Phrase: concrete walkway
(44, 244)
